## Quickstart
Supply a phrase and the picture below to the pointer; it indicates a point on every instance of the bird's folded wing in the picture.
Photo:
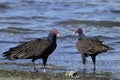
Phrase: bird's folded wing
(29, 49)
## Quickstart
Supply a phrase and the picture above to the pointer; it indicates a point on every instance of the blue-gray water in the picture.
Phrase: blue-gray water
(23, 20)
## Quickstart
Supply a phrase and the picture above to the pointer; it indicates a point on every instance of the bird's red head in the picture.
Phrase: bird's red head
(78, 30)
(54, 31)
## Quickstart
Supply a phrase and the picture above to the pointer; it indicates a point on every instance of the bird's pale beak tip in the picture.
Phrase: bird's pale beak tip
(73, 32)
(58, 34)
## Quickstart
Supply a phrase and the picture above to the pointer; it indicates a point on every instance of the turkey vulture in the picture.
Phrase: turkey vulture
(34, 49)
(89, 46)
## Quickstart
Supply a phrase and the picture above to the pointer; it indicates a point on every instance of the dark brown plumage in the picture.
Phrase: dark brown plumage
(89, 46)
(35, 49)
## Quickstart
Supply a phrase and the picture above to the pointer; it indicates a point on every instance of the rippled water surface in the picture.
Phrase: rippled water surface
(24, 20)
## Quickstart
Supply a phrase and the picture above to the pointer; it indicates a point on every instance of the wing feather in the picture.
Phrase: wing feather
(91, 46)
(28, 49)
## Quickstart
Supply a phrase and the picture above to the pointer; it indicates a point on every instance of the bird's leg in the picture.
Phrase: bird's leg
(83, 66)
(44, 70)
(83, 61)
(33, 64)
(44, 64)
(94, 61)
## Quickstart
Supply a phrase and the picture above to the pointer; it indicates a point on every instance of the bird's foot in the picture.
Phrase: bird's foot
(44, 70)
(35, 69)
(83, 67)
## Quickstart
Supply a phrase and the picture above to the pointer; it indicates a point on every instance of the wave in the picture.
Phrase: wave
(91, 22)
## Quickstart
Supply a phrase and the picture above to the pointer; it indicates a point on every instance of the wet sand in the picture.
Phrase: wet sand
(20, 75)
(18, 72)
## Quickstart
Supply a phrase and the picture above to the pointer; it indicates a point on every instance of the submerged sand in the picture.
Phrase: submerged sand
(21, 75)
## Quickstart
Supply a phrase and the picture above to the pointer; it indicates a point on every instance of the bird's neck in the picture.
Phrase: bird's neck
(52, 37)
(81, 36)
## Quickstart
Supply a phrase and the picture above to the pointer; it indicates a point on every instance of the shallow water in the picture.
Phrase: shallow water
(23, 20)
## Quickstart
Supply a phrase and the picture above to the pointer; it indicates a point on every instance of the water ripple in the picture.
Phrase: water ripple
(16, 30)
(91, 22)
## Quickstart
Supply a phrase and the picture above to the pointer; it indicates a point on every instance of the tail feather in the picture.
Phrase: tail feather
(7, 55)
(110, 48)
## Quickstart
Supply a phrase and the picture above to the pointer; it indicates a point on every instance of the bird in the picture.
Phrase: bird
(89, 46)
(39, 48)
